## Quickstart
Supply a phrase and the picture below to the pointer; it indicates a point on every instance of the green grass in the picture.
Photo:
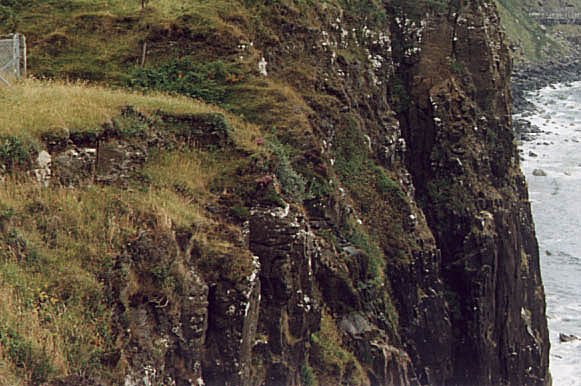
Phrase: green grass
(207, 81)
(102, 40)
(532, 43)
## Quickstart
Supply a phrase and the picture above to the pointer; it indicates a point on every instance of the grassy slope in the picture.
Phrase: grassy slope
(103, 40)
(34, 108)
(59, 244)
(531, 41)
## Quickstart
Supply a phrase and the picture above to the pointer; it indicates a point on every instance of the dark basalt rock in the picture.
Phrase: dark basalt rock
(480, 215)
(289, 309)
(566, 338)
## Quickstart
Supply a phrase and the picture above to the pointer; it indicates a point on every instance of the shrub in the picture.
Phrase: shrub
(292, 183)
(207, 81)
(241, 213)
(14, 153)
(457, 67)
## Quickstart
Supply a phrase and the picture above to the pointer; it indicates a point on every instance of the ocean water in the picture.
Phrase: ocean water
(556, 205)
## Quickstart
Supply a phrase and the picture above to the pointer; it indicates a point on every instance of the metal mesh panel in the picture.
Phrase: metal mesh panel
(12, 54)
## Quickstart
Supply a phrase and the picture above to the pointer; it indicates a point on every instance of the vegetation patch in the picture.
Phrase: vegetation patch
(62, 244)
(14, 154)
(530, 42)
(206, 81)
(333, 363)
(31, 361)
(36, 110)
(292, 183)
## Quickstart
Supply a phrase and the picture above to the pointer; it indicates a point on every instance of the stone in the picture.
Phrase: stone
(118, 161)
(43, 173)
(539, 173)
(262, 67)
(566, 338)
(287, 250)
(74, 166)
(355, 324)
(163, 329)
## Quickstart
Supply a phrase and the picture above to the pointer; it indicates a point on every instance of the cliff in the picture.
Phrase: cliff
(342, 203)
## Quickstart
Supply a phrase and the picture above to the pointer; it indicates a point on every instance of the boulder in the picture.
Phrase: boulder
(539, 173)
(566, 338)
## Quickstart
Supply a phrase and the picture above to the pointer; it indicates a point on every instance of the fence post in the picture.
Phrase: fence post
(24, 57)
(16, 58)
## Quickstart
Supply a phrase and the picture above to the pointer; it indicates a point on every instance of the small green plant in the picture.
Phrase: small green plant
(207, 81)
(371, 11)
(241, 213)
(386, 185)
(25, 356)
(457, 67)
(373, 256)
(14, 153)
(332, 360)
(6, 214)
(400, 97)
(308, 377)
(292, 183)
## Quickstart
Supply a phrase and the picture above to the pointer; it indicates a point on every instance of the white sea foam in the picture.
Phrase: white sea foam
(556, 205)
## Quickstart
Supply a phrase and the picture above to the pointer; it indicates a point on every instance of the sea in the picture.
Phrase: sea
(554, 152)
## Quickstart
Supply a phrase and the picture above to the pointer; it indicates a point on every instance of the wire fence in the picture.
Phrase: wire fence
(12, 58)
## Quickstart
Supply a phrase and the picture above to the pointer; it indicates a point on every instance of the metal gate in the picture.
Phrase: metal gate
(12, 58)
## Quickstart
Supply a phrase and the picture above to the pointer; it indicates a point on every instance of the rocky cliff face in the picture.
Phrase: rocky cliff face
(467, 177)
(387, 239)
(428, 104)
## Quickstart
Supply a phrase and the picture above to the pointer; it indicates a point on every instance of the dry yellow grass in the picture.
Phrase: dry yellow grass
(27, 332)
(167, 8)
(33, 107)
(187, 172)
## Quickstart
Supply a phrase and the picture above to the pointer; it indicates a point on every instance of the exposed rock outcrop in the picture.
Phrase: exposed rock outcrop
(466, 172)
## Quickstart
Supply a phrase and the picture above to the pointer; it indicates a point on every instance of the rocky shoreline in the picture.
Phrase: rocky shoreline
(531, 77)
(534, 76)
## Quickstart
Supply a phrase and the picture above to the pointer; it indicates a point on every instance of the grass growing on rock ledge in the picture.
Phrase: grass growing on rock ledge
(60, 244)
(34, 107)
